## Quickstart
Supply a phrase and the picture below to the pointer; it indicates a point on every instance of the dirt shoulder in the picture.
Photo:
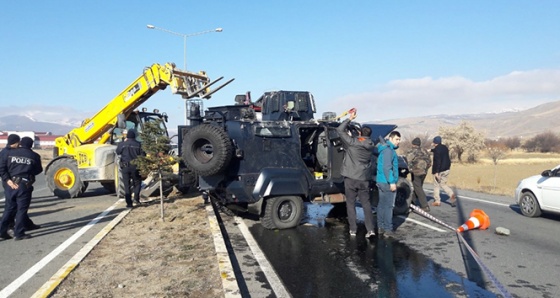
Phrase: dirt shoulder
(144, 256)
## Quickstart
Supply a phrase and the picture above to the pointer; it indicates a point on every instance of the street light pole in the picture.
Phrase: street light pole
(184, 48)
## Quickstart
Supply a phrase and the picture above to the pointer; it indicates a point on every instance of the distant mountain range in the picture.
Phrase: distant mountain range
(524, 124)
(24, 123)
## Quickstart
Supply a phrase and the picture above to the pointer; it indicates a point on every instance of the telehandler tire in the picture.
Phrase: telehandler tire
(64, 180)
(207, 150)
(118, 183)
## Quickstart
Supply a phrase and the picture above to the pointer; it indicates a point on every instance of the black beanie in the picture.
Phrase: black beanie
(416, 142)
(26, 142)
(131, 134)
(12, 139)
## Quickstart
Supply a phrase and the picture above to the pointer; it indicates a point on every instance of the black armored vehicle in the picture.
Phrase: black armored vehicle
(271, 156)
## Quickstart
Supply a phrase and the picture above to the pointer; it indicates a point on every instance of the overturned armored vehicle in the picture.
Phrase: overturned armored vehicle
(271, 156)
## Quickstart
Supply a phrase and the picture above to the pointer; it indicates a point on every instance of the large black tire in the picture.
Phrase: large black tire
(529, 205)
(404, 197)
(118, 183)
(207, 150)
(109, 186)
(64, 180)
(84, 186)
(189, 181)
(282, 212)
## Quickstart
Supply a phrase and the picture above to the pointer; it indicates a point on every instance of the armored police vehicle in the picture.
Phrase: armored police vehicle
(271, 156)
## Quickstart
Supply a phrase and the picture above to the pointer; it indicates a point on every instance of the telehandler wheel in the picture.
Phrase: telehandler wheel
(404, 197)
(283, 212)
(207, 149)
(64, 179)
(118, 183)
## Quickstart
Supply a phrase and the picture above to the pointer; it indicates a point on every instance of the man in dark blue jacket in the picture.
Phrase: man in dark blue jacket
(440, 170)
(128, 151)
(18, 168)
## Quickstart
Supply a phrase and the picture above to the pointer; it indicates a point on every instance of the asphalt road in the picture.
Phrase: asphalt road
(66, 226)
(424, 258)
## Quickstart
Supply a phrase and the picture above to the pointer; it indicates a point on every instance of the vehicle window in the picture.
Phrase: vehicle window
(273, 131)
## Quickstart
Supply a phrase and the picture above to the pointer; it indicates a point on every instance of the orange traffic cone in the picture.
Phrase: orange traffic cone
(478, 219)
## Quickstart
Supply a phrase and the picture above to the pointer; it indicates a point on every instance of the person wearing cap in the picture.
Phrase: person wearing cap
(440, 169)
(18, 166)
(357, 170)
(419, 162)
(128, 151)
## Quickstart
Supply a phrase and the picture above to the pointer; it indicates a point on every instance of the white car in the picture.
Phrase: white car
(539, 193)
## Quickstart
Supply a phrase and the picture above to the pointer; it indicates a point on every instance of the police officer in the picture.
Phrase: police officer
(27, 143)
(13, 142)
(18, 166)
(128, 151)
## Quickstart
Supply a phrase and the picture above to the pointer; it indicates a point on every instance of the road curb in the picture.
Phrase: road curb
(51, 285)
(227, 275)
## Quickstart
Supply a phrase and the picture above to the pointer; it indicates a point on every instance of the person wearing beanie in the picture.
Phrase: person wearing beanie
(419, 161)
(128, 151)
(26, 142)
(440, 169)
(13, 139)
(18, 168)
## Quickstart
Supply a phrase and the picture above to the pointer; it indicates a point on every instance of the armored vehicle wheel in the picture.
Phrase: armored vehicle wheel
(404, 197)
(282, 212)
(207, 150)
(64, 179)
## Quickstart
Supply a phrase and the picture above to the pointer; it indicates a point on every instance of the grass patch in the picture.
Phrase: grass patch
(501, 179)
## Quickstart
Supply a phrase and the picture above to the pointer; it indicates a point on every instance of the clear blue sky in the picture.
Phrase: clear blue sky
(390, 59)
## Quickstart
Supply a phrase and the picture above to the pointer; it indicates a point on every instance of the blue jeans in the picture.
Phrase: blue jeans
(385, 207)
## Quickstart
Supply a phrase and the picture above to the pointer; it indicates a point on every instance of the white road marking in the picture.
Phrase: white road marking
(12, 287)
(422, 224)
(62, 273)
(268, 270)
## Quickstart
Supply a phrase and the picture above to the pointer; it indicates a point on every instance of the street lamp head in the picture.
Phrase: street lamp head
(219, 30)
(151, 26)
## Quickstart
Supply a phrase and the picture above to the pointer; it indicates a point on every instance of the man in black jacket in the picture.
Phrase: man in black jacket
(440, 170)
(128, 151)
(357, 169)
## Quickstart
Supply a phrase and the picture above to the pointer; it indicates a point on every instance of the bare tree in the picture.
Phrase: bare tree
(544, 142)
(513, 142)
(496, 152)
(463, 139)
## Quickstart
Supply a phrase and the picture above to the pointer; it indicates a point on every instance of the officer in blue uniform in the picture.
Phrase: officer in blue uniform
(128, 151)
(18, 167)
(13, 142)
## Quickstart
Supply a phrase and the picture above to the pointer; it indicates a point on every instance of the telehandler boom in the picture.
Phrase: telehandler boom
(87, 153)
